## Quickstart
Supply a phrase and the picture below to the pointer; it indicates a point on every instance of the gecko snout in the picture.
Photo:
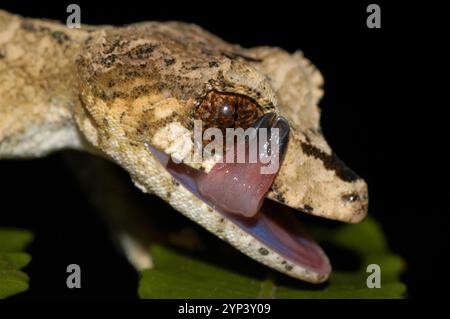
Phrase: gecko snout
(356, 200)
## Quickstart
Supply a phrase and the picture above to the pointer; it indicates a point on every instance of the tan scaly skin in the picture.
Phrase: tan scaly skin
(112, 91)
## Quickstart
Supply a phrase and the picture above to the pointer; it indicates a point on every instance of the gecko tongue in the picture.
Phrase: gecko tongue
(240, 188)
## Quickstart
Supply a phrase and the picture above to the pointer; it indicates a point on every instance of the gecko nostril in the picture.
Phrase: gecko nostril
(350, 198)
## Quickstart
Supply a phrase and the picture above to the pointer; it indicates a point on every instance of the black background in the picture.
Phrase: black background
(370, 118)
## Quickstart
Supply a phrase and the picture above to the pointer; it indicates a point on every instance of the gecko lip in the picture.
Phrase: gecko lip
(272, 224)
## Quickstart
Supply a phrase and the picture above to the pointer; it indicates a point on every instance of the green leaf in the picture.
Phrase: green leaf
(12, 260)
(178, 274)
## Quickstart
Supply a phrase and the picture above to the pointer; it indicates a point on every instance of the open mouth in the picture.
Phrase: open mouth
(237, 191)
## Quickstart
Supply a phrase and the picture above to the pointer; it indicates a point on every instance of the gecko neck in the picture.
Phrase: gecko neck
(38, 86)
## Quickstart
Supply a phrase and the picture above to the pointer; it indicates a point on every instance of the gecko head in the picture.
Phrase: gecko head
(146, 86)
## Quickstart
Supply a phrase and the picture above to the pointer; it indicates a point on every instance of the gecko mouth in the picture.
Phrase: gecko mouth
(237, 191)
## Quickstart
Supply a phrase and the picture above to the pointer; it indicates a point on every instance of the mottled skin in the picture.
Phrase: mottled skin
(111, 90)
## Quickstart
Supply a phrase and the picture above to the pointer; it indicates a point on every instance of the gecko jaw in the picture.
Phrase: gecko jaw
(273, 225)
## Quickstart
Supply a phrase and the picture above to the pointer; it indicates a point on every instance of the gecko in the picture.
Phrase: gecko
(132, 93)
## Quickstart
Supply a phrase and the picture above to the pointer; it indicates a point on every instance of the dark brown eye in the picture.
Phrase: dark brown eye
(226, 113)
(227, 110)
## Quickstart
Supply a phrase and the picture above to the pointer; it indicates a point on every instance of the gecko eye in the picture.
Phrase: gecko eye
(227, 110)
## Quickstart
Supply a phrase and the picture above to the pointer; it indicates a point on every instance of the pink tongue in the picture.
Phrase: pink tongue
(238, 188)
